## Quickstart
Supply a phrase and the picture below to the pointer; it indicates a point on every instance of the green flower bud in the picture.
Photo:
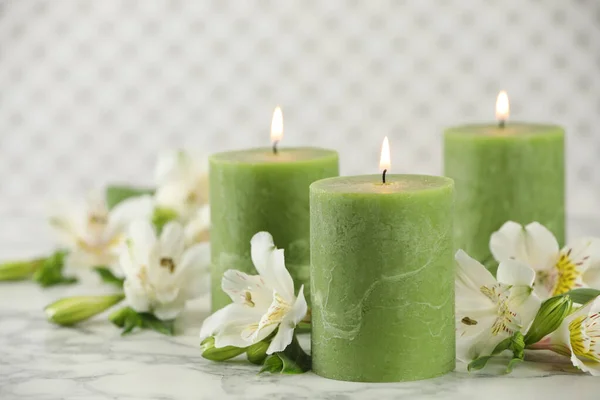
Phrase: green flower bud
(18, 270)
(210, 352)
(257, 352)
(549, 317)
(71, 310)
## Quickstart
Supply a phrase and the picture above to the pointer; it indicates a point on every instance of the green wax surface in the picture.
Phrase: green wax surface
(382, 278)
(514, 173)
(255, 190)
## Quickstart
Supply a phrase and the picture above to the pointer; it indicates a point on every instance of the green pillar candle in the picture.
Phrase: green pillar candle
(259, 190)
(515, 172)
(382, 276)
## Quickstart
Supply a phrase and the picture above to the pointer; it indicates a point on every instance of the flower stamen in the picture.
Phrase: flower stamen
(506, 321)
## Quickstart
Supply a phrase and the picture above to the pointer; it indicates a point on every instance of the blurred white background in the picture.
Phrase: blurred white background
(91, 91)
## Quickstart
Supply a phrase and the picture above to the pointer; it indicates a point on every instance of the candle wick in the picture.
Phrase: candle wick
(275, 146)
(502, 123)
(383, 175)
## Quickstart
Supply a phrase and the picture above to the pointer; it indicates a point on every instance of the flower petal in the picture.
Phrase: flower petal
(525, 304)
(227, 324)
(282, 338)
(270, 264)
(472, 273)
(476, 340)
(300, 308)
(198, 229)
(127, 264)
(193, 271)
(541, 246)
(593, 367)
(136, 298)
(143, 239)
(168, 311)
(285, 331)
(167, 293)
(65, 222)
(246, 290)
(508, 243)
(591, 277)
(127, 211)
(172, 241)
(584, 253)
(515, 273)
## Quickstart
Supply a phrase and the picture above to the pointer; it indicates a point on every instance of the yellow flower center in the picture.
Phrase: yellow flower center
(585, 333)
(564, 275)
(506, 320)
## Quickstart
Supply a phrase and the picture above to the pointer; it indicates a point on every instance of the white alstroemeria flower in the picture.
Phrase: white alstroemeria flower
(182, 183)
(489, 310)
(92, 233)
(557, 271)
(197, 230)
(578, 337)
(261, 303)
(160, 274)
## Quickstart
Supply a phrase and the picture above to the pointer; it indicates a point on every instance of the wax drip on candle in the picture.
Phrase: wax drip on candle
(502, 108)
(384, 160)
(276, 128)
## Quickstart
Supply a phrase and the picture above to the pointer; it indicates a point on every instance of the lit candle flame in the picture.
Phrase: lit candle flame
(277, 126)
(384, 160)
(502, 107)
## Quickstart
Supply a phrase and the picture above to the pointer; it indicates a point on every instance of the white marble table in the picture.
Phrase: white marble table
(46, 362)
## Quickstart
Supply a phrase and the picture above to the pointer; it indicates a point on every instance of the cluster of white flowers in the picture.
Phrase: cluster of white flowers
(532, 269)
(161, 269)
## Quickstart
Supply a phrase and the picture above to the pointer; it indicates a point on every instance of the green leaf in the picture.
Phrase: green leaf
(50, 272)
(107, 276)
(162, 216)
(503, 345)
(582, 296)
(480, 363)
(257, 353)
(149, 321)
(210, 352)
(548, 318)
(293, 360)
(129, 319)
(117, 193)
(19, 270)
(126, 318)
(512, 363)
(273, 364)
(72, 310)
